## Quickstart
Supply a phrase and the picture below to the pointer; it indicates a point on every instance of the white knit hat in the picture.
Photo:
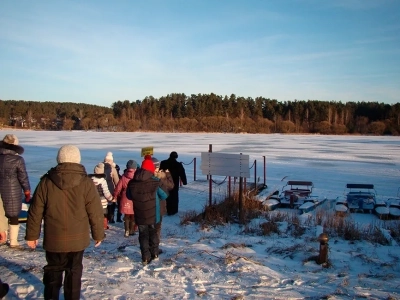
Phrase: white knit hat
(99, 168)
(69, 153)
(109, 157)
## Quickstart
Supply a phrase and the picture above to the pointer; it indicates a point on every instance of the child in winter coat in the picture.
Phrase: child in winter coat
(126, 206)
(99, 180)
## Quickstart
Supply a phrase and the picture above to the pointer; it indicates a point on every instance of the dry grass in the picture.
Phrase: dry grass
(227, 211)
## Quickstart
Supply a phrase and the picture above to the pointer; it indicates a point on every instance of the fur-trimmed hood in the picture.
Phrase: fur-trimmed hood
(10, 148)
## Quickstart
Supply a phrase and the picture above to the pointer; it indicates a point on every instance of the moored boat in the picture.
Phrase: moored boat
(360, 197)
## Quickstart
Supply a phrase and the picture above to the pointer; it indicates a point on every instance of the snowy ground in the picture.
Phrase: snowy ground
(222, 262)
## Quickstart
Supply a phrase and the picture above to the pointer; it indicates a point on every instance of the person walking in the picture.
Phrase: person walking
(13, 180)
(112, 179)
(119, 214)
(99, 180)
(167, 184)
(69, 205)
(178, 174)
(126, 206)
(146, 193)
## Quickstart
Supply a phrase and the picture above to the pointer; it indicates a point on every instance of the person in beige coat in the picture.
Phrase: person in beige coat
(112, 179)
(68, 203)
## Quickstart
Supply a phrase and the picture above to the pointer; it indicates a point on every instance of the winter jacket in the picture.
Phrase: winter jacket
(145, 192)
(67, 201)
(3, 219)
(125, 205)
(100, 182)
(13, 179)
(112, 177)
(176, 169)
(167, 184)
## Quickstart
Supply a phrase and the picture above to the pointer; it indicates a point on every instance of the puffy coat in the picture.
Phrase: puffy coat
(100, 182)
(68, 202)
(145, 192)
(13, 179)
(125, 205)
(112, 177)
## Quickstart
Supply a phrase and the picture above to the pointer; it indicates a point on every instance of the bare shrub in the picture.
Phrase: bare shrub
(228, 211)
(277, 216)
(187, 217)
(394, 229)
(296, 227)
(268, 228)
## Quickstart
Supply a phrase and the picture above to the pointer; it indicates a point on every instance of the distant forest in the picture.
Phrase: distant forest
(207, 113)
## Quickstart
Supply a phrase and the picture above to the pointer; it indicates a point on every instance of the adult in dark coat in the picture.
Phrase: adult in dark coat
(13, 180)
(146, 193)
(178, 174)
(68, 203)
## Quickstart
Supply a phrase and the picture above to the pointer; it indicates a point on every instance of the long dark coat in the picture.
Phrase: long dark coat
(13, 178)
(68, 202)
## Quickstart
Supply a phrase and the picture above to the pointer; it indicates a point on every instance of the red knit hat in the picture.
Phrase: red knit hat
(148, 164)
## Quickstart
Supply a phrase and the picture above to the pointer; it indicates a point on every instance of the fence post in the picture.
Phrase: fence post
(194, 175)
(229, 187)
(265, 183)
(210, 181)
(255, 174)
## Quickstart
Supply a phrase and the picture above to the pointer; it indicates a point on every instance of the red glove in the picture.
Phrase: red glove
(27, 196)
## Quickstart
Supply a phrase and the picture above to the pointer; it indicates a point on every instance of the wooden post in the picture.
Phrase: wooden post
(241, 219)
(229, 187)
(255, 175)
(194, 175)
(210, 181)
(265, 182)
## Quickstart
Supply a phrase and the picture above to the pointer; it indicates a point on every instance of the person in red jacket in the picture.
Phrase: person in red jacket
(126, 206)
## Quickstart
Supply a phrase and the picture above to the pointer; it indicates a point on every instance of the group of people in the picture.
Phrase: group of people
(72, 205)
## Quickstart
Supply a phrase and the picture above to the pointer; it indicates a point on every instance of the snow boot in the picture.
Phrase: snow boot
(126, 224)
(119, 216)
(14, 230)
(132, 227)
(105, 223)
(111, 219)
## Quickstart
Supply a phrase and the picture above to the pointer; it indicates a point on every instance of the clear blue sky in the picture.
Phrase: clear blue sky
(99, 52)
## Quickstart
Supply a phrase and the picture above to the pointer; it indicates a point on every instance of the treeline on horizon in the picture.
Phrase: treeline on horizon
(207, 113)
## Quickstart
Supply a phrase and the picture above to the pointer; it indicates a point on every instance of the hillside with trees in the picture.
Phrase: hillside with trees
(207, 113)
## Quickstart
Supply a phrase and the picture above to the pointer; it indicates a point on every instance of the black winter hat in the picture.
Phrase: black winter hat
(173, 155)
(131, 164)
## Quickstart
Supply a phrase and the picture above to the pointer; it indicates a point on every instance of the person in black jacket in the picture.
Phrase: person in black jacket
(144, 189)
(178, 173)
(13, 180)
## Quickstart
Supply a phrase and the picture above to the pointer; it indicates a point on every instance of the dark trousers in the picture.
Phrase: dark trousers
(119, 215)
(57, 264)
(173, 201)
(149, 240)
(111, 211)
